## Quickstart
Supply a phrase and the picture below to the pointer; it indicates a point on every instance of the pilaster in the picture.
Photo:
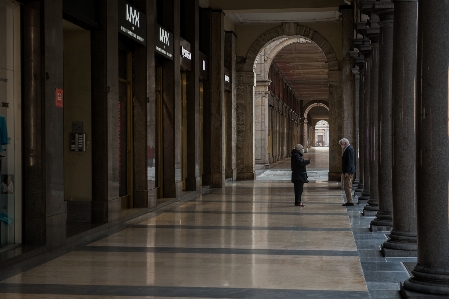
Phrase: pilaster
(245, 125)
(261, 128)
(347, 79)
(218, 117)
(193, 97)
(335, 130)
(230, 64)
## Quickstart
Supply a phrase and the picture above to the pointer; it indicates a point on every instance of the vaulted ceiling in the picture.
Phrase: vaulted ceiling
(304, 67)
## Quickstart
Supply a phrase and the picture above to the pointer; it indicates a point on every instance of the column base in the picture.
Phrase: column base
(387, 252)
(334, 176)
(218, 180)
(426, 285)
(365, 195)
(400, 244)
(383, 222)
(246, 176)
(370, 210)
(381, 225)
(413, 295)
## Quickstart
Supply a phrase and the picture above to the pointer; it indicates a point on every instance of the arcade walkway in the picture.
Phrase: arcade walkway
(246, 240)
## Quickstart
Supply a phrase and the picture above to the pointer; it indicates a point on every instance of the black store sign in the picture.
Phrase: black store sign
(227, 79)
(203, 66)
(164, 42)
(186, 55)
(132, 22)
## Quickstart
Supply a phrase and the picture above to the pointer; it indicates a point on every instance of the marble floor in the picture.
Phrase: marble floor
(246, 240)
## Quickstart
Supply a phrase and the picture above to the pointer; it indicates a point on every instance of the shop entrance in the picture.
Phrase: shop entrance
(125, 129)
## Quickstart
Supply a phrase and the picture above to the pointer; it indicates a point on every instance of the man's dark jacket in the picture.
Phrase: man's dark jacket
(298, 166)
(347, 161)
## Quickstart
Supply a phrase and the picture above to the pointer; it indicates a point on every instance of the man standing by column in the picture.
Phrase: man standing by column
(348, 169)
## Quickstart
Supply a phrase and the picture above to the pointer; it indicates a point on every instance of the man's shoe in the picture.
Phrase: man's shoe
(348, 204)
(299, 204)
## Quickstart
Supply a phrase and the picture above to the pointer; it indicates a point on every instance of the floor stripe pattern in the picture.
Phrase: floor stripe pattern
(246, 240)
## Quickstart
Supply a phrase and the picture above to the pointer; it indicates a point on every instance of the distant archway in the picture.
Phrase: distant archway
(252, 91)
(321, 134)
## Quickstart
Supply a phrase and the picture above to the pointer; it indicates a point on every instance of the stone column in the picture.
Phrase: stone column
(373, 203)
(361, 131)
(34, 220)
(230, 64)
(356, 144)
(335, 125)
(431, 274)
(365, 121)
(191, 12)
(217, 100)
(245, 82)
(384, 220)
(347, 78)
(403, 237)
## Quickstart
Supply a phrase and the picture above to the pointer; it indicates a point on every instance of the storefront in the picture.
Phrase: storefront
(10, 125)
(164, 50)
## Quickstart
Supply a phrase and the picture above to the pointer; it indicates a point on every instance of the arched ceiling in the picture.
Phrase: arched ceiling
(319, 113)
(305, 69)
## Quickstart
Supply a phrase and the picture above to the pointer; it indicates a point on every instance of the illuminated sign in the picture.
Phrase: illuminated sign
(186, 55)
(132, 23)
(164, 42)
(203, 66)
(227, 79)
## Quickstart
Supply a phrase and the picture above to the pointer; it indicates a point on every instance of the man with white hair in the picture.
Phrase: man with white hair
(348, 169)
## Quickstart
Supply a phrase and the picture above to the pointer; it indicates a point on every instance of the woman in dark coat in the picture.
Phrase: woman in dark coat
(299, 172)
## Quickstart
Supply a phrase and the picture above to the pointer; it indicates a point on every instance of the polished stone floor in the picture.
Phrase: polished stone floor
(246, 240)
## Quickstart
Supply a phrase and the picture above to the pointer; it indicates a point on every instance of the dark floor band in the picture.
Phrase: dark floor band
(156, 291)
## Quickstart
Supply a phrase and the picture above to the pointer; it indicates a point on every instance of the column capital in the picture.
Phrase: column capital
(263, 82)
(373, 34)
(366, 6)
(385, 10)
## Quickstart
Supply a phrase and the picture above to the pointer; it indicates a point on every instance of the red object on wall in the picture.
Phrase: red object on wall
(59, 97)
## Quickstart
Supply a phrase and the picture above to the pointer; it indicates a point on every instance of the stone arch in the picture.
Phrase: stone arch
(311, 104)
(286, 31)
(268, 53)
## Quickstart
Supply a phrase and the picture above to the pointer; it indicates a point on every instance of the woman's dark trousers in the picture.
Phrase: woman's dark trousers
(299, 186)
